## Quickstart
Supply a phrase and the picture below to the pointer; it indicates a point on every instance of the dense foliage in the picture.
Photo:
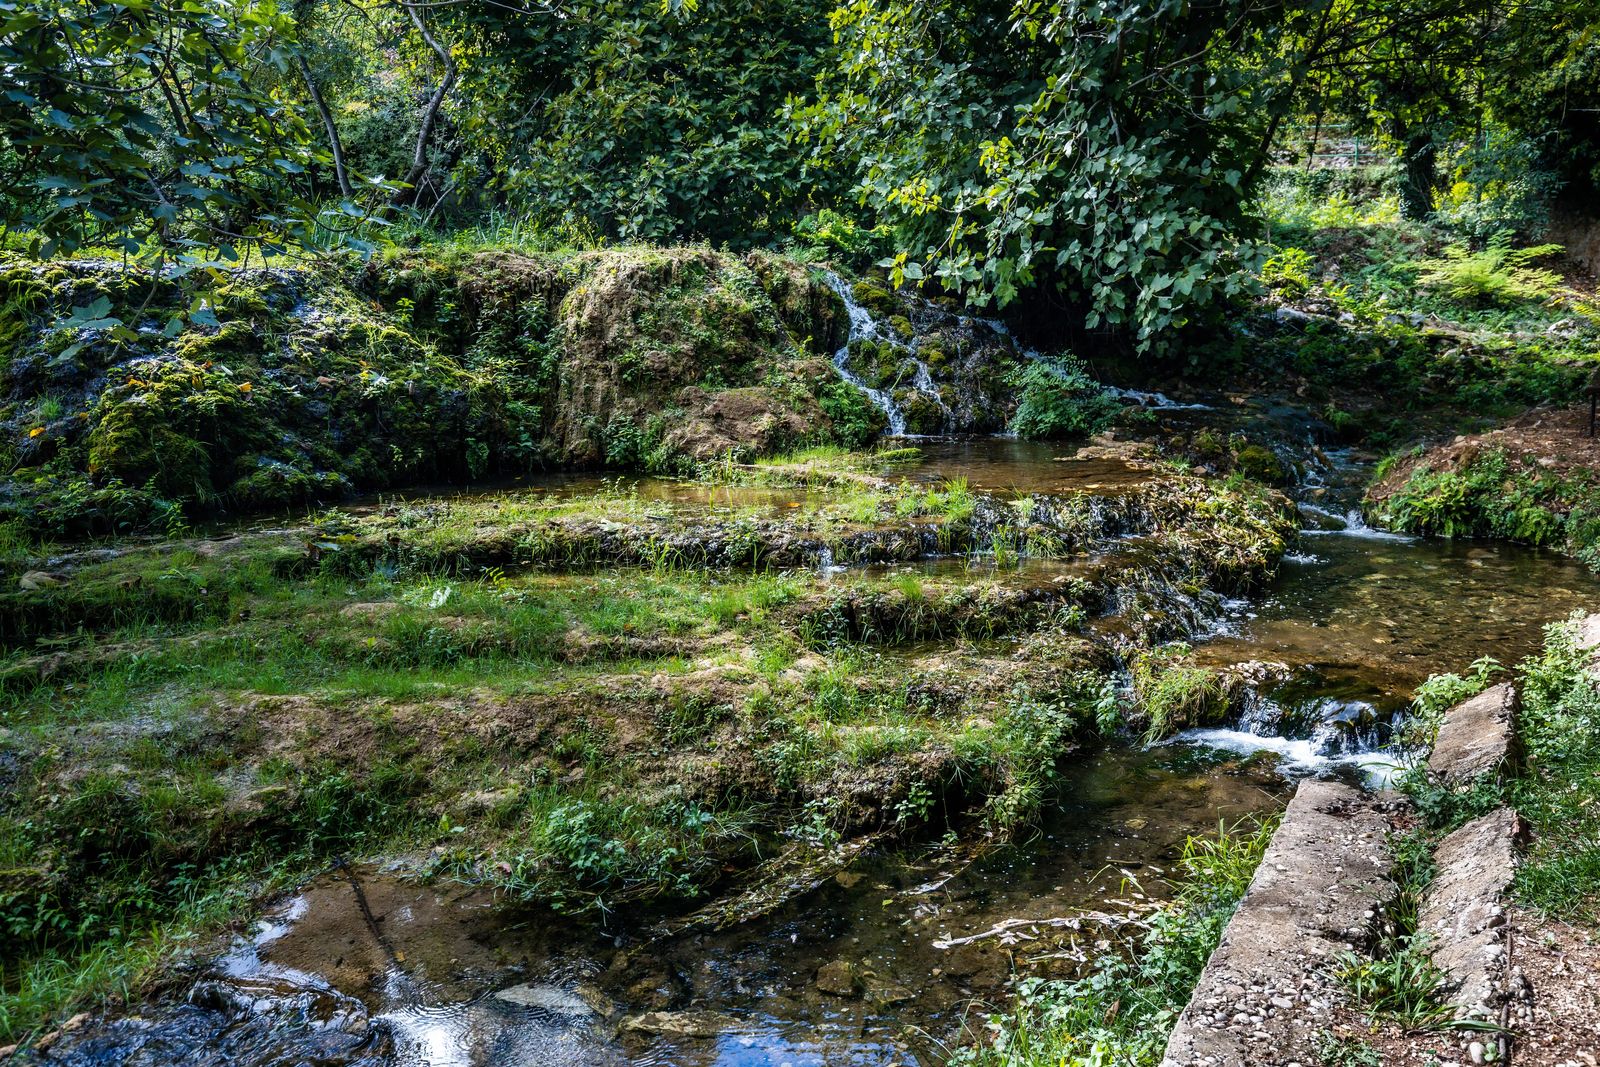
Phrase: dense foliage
(1097, 150)
(1058, 398)
(143, 123)
(1098, 157)
(611, 120)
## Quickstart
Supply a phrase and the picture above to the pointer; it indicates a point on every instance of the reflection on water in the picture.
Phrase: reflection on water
(1371, 619)
(1004, 465)
(437, 978)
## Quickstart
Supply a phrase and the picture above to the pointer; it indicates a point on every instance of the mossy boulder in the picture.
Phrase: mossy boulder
(290, 386)
(1261, 464)
(923, 413)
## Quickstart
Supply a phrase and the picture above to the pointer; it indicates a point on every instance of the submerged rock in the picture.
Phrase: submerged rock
(837, 978)
(703, 1024)
(551, 998)
(883, 992)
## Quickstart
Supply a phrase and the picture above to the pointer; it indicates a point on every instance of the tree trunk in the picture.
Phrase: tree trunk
(335, 145)
(430, 111)
(1421, 162)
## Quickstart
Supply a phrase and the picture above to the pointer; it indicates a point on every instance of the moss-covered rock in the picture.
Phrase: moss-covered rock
(276, 387)
(1260, 463)
(923, 412)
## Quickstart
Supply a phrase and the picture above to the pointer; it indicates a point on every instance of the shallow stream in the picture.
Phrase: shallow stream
(364, 967)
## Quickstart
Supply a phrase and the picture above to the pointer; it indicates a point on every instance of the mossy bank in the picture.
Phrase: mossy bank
(470, 687)
(131, 398)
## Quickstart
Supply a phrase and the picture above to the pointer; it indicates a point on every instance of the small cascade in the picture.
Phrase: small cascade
(1349, 524)
(932, 370)
(1326, 496)
(1311, 737)
(865, 328)
(1159, 401)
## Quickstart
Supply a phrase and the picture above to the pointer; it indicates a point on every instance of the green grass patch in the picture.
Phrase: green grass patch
(1559, 787)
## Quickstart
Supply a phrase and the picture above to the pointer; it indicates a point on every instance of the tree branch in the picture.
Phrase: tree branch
(334, 144)
(430, 113)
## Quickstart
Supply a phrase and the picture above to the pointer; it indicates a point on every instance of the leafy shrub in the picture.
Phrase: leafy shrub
(1497, 274)
(1501, 186)
(856, 422)
(1060, 399)
(830, 235)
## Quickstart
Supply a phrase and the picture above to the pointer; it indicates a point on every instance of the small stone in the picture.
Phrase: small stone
(1475, 1052)
(883, 993)
(837, 978)
(1282, 1002)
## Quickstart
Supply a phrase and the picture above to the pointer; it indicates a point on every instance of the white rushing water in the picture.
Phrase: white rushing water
(863, 327)
(1352, 524)
(1303, 756)
(1144, 399)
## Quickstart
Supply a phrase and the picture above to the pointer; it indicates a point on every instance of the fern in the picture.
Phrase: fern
(1497, 274)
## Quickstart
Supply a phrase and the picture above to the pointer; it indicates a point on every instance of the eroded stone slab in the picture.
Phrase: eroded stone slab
(1589, 640)
(1266, 991)
(1463, 911)
(1477, 737)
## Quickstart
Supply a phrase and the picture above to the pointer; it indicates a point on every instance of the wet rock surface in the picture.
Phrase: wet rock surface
(1266, 989)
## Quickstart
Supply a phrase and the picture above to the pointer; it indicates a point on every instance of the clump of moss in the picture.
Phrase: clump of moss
(1260, 464)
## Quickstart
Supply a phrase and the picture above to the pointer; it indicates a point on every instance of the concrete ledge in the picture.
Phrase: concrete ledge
(1589, 641)
(1477, 737)
(1463, 912)
(1265, 992)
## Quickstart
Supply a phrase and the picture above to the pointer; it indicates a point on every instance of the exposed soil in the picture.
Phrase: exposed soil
(1550, 441)
(1560, 1027)
(1562, 965)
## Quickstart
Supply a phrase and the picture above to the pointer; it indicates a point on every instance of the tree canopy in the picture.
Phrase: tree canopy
(1099, 155)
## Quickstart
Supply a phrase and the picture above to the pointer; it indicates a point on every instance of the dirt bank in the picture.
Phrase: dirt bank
(1535, 480)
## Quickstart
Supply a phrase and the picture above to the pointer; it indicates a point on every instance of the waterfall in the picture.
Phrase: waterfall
(863, 327)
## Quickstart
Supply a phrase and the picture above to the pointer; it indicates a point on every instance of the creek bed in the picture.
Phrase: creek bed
(437, 977)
